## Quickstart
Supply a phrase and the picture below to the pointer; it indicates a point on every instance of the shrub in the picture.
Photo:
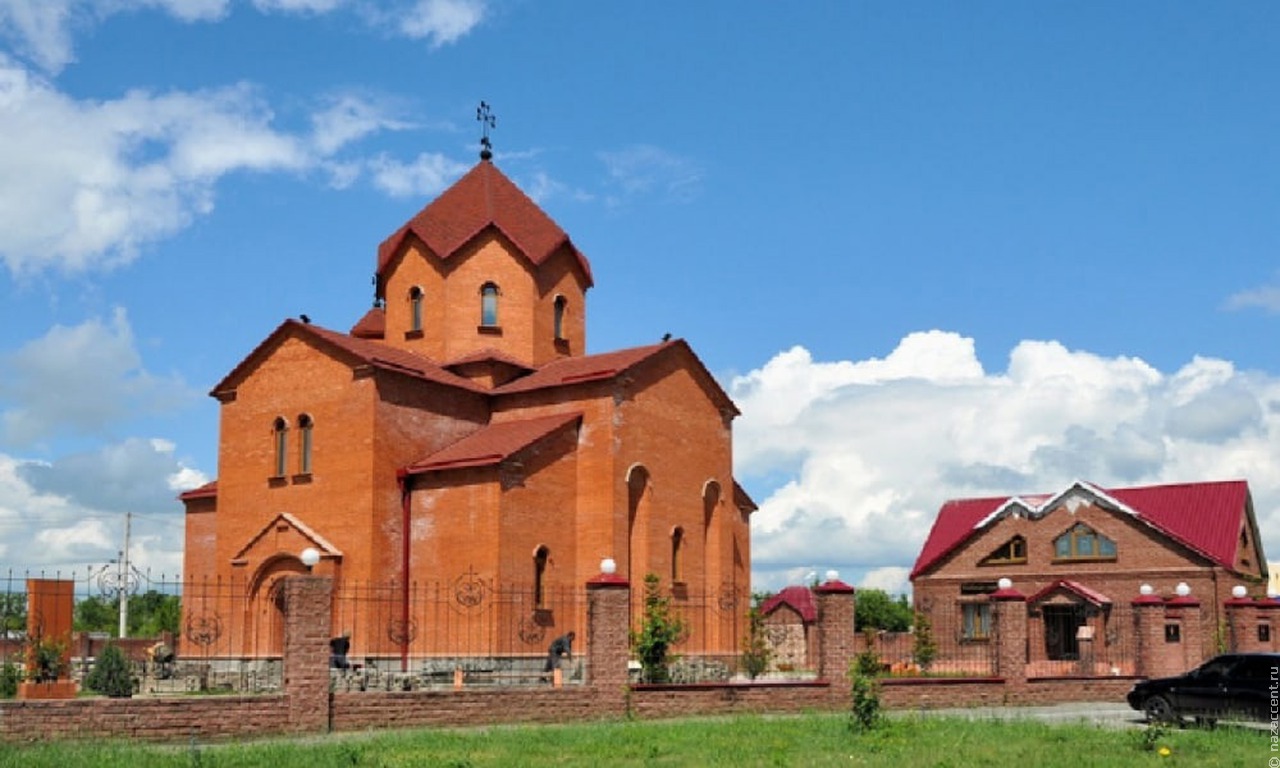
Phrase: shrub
(755, 647)
(659, 631)
(865, 713)
(111, 674)
(9, 679)
(49, 658)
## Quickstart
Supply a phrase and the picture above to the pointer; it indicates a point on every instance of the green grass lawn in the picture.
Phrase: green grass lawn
(813, 740)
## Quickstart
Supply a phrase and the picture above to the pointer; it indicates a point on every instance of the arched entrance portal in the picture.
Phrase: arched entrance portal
(265, 609)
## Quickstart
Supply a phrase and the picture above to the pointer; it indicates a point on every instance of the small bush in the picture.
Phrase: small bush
(865, 715)
(111, 675)
(9, 679)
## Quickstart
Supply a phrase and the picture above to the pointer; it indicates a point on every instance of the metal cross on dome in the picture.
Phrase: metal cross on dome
(487, 120)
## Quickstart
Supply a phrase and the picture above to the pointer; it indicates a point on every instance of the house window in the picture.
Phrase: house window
(415, 308)
(677, 542)
(975, 621)
(560, 304)
(1081, 542)
(489, 305)
(280, 436)
(1012, 551)
(1172, 633)
(540, 558)
(304, 444)
(1264, 633)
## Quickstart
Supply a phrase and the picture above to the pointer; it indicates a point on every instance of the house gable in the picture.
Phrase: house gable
(1196, 518)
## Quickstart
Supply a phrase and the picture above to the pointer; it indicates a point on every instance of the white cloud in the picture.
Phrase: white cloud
(427, 175)
(80, 380)
(298, 6)
(55, 518)
(348, 118)
(103, 179)
(42, 29)
(860, 454)
(644, 170)
(440, 21)
(1266, 298)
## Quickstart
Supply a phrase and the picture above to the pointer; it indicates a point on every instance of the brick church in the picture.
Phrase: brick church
(459, 434)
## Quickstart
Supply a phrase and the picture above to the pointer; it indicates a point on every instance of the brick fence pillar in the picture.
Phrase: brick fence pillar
(307, 627)
(1242, 618)
(1148, 633)
(1009, 620)
(1183, 611)
(836, 637)
(608, 641)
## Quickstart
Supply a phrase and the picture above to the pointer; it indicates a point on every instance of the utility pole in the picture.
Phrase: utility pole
(123, 579)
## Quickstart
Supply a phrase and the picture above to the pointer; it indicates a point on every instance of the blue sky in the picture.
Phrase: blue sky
(933, 250)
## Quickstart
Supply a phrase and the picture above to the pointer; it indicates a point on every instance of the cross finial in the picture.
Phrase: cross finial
(487, 121)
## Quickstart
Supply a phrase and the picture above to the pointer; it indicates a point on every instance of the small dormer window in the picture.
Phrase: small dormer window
(489, 305)
(560, 304)
(415, 309)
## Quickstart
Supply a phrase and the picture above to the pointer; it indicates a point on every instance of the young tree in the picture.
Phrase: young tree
(924, 647)
(111, 675)
(756, 651)
(660, 629)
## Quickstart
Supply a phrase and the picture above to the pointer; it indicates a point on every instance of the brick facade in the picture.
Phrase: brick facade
(403, 453)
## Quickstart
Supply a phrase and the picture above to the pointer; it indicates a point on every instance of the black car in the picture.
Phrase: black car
(1233, 686)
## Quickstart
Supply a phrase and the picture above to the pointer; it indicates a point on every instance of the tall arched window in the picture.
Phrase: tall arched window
(540, 558)
(489, 305)
(677, 543)
(560, 304)
(280, 435)
(415, 308)
(304, 444)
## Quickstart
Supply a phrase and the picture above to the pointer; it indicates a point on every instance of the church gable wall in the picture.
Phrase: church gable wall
(296, 380)
(416, 267)
(669, 426)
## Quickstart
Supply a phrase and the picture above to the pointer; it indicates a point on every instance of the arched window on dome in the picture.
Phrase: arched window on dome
(489, 305)
(415, 309)
(677, 547)
(561, 303)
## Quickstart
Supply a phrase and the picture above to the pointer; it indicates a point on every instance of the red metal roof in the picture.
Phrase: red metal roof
(493, 444)
(483, 198)
(1091, 595)
(800, 599)
(1204, 517)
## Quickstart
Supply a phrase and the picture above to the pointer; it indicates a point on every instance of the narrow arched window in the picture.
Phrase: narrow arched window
(280, 436)
(489, 305)
(304, 444)
(677, 543)
(560, 304)
(415, 308)
(540, 558)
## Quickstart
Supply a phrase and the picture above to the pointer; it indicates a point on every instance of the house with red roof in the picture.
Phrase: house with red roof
(1080, 557)
(460, 439)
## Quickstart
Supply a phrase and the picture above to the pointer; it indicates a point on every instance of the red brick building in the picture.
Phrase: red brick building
(1081, 557)
(459, 434)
